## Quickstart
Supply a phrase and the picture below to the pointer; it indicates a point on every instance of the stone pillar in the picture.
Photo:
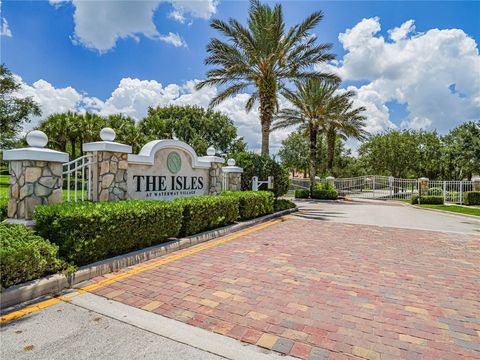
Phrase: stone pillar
(233, 176)
(423, 186)
(35, 176)
(215, 172)
(110, 167)
(476, 184)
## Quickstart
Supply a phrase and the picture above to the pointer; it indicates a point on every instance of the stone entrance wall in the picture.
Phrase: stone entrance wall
(215, 176)
(110, 171)
(33, 183)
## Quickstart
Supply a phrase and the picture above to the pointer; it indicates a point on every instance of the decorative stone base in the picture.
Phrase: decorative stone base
(215, 179)
(234, 181)
(33, 183)
(110, 176)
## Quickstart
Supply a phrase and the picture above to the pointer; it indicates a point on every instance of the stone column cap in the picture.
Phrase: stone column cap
(107, 146)
(423, 179)
(214, 159)
(35, 153)
(232, 169)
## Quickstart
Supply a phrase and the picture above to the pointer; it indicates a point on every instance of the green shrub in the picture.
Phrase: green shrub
(252, 204)
(472, 198)
(283, 204)
(207, 212)
(263, 167)
(3, 207)
(302, 193)
(25, 256)
(435, 191)
(325, 191)
(88, 232)
(431, 200)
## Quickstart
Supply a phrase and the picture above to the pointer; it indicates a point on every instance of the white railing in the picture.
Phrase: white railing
(388, 187)
(73, 168)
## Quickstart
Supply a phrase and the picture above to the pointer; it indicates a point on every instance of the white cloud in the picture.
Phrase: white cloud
(417, 70)
(5, 29)
(100, 24)
(132, 97)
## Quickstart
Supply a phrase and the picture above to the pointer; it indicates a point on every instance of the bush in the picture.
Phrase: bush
(263, 167)
(435, 191)
(472, 198)
(88, 232)
(25, 256)
(3, 207)
(283, 204)
(325, 191)
(252, 204)
(431, 200)
(302, 193)
(207, 212)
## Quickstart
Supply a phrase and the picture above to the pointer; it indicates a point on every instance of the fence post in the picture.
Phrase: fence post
(444, 192)
(461, 192)
(109, 167)
(390, 185)
(35, 176)
(255, 183)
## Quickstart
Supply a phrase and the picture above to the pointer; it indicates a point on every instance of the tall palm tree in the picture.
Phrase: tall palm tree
(56, 127)
(263, 56)
(311, 109)
(346, 121)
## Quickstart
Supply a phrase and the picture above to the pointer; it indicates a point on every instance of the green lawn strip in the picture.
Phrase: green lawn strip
(474, 210)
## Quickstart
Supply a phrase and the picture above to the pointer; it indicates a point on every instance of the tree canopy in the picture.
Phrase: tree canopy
(15, 111)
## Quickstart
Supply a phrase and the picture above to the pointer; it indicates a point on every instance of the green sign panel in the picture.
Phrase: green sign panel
(174, 162)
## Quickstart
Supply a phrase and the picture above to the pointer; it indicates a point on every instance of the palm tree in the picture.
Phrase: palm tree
(56, 127)
(263, 56)
(312, 107)
(345, 121)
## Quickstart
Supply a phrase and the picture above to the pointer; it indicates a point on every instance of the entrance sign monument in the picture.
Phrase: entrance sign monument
(163, 170)
(167, 169)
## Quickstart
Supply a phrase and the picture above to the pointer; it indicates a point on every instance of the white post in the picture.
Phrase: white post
(75, 164)
(390, 185)
(270, 183)
(68, 182)
(444, 192)
(461, 192)
(83, 178)
(255, 183)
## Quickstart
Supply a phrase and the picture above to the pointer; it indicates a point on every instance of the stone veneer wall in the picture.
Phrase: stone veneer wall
(33, 183)
(476, 185)
(215, 179)
(112, 176)
(234, 181)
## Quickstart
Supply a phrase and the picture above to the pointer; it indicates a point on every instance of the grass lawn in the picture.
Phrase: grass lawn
(471, 210)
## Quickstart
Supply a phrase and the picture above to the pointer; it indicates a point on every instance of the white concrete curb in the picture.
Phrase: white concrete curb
(54, 284)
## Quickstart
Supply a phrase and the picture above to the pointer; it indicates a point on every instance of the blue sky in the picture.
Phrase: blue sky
(44, 46)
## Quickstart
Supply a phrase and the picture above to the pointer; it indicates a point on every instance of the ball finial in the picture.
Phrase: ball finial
(107, 134)
(37, 138)
(211, 151)
(231, 162)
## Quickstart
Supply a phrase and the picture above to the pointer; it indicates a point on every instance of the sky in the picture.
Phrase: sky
(413, 64)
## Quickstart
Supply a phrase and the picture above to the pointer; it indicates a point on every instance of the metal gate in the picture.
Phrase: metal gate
(387, 187)
(79, 171)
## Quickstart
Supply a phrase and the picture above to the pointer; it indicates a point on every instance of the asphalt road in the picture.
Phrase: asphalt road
(389, 214)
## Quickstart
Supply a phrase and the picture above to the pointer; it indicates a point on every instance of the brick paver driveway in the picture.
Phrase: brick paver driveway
(325, 290)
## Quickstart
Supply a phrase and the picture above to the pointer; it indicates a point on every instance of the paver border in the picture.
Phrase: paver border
(54, 284)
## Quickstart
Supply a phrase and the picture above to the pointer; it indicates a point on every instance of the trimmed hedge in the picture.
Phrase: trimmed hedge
(302, 193)
(430, 200)
(25, 256)
(88, 232)
(324, 191)
(283, 204)
(207, 212)
(472, 198)
(252, 204)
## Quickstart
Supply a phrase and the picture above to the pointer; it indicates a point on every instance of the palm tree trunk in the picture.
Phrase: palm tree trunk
(266, 115)
(331, 138)
(313, 156)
